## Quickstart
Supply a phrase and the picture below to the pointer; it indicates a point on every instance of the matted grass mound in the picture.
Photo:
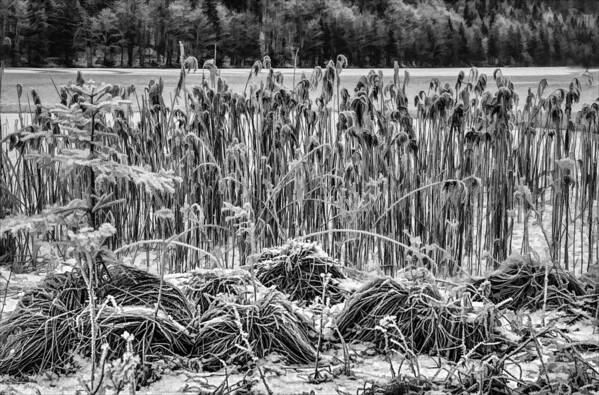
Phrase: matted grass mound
(269, 325)
(131, 286)
(523, 280)
(380, 298)
(296, 269)
(50, 321)
(203, 287)
(39, 334)
(421, 320)
(154, 334)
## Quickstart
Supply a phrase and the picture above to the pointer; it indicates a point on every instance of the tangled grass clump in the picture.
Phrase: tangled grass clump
(32, 342)
(131, 286)
(154, 333)
(380, 298)
(40, 333)
(202, 288)
(422, 321)
(297, 269)
(52, 322)
(522, 279)
(269, 325)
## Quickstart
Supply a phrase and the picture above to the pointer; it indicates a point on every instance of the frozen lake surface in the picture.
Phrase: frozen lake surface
(41, 80)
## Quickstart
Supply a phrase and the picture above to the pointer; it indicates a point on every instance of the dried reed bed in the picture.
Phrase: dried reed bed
(444, 175)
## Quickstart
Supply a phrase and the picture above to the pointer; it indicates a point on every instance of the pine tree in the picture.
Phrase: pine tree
(129, 14)
(533, 46)
(105, 32)
(37, 32)
(212, 13)
(64, 20)
(160, 14)
(543, 53)
(464, 51)
(493, 46)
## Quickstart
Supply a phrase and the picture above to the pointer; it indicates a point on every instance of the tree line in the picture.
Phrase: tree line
(371, 33)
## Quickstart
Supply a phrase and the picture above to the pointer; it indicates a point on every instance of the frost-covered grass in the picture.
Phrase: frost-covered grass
(561, 336)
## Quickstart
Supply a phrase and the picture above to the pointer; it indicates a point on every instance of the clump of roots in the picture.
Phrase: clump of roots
(298, 269)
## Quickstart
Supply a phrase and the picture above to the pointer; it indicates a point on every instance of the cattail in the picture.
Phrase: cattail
(254, 71)
(266, 63)
(481, 84)
(191, 63)
(79, 81)
(316, 77)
